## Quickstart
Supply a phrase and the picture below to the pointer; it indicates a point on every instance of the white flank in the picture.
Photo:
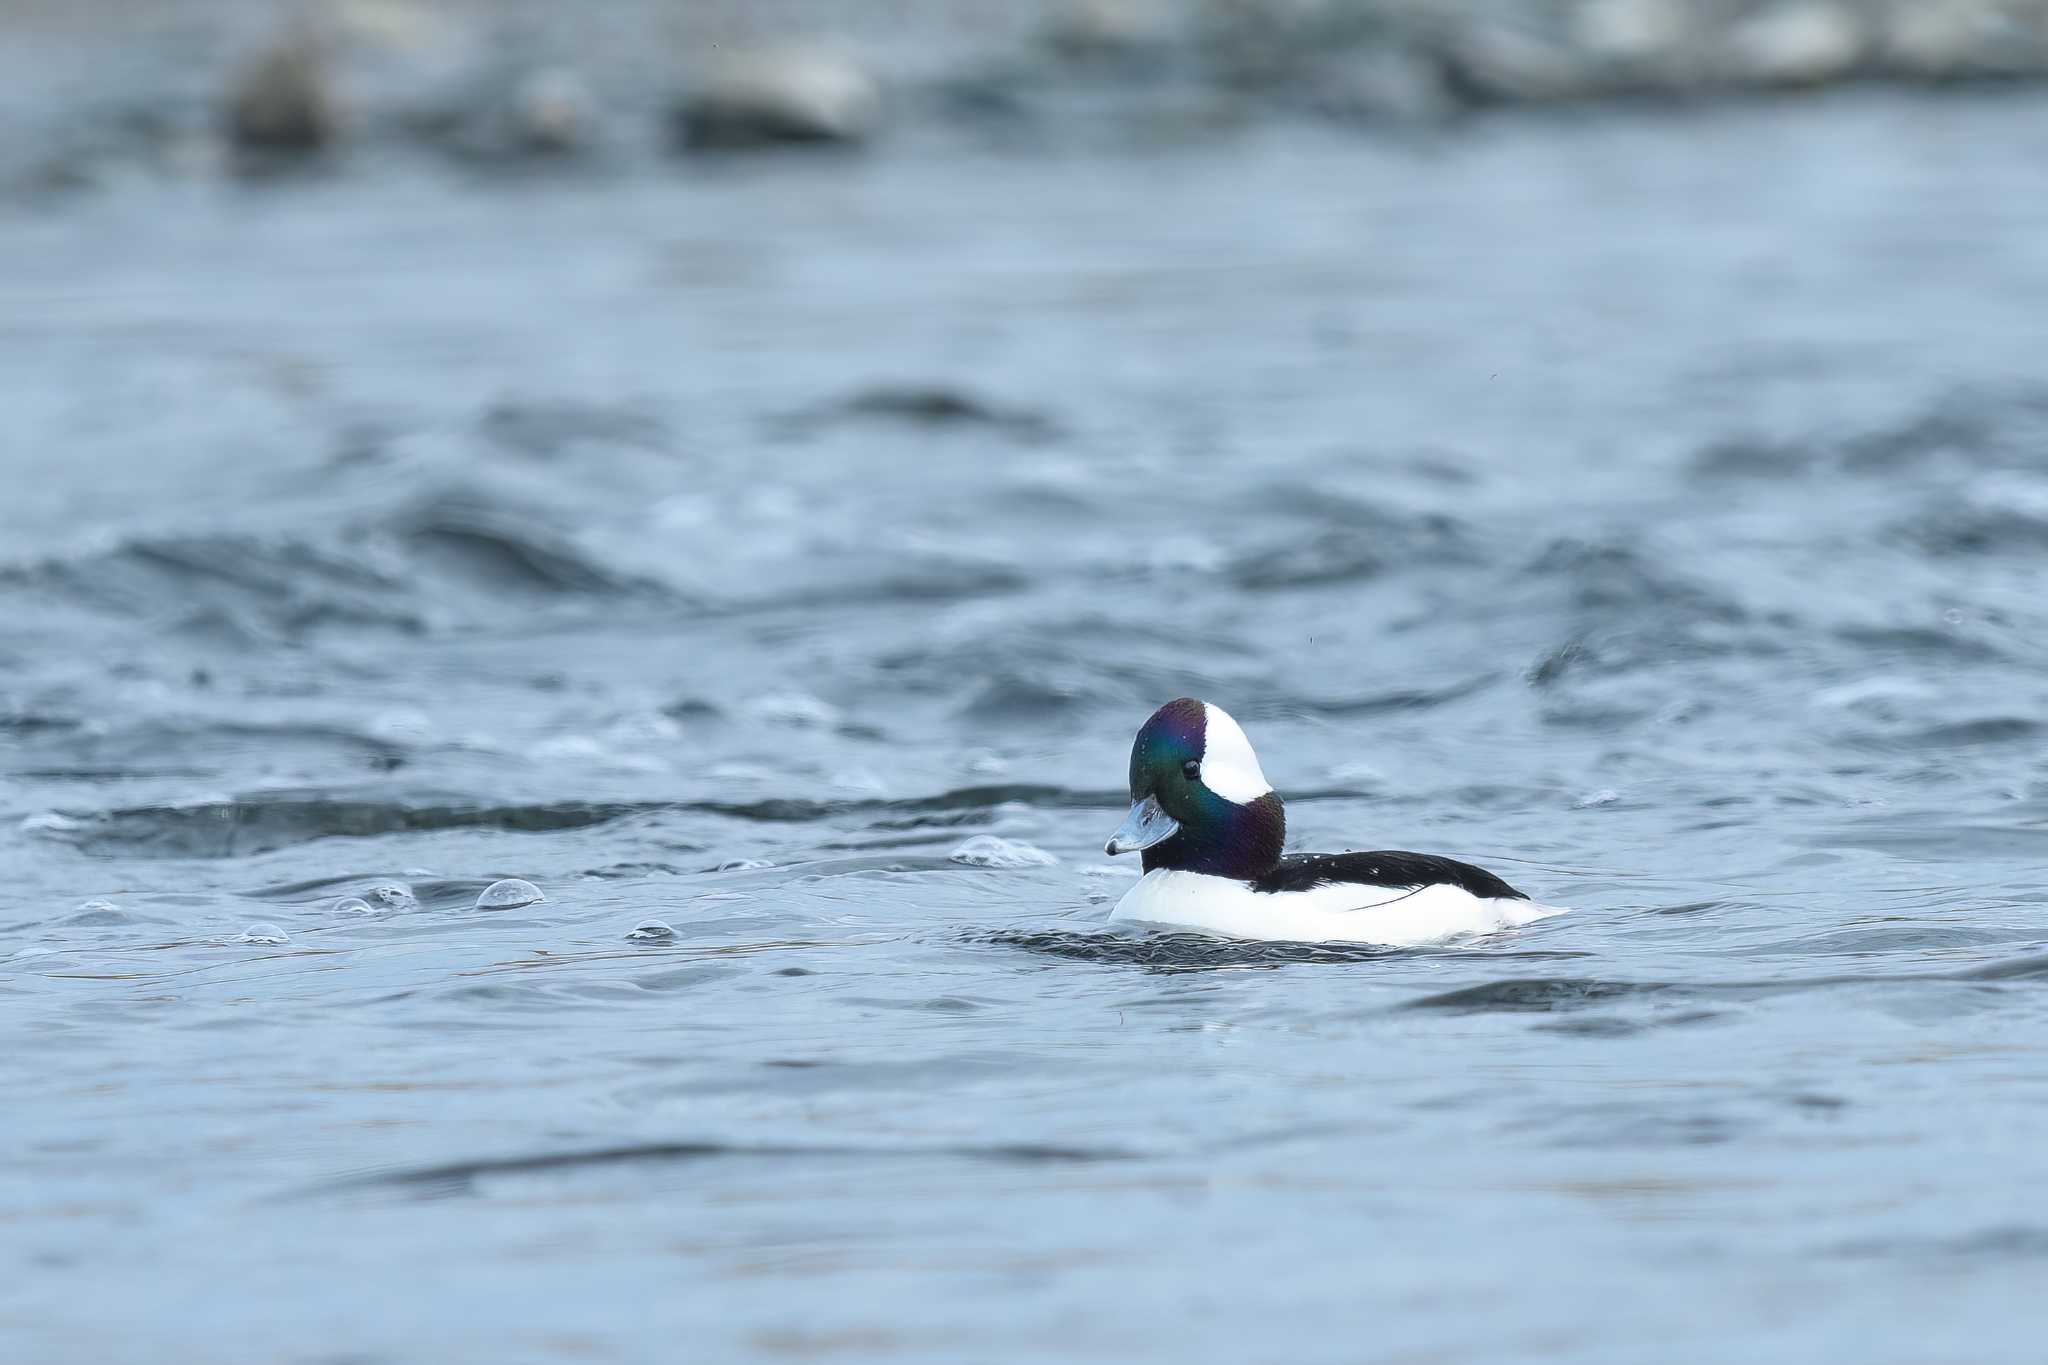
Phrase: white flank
(1337, 912)
(1229, 767)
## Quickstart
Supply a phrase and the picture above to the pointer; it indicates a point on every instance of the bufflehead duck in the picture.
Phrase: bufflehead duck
(1211, 827)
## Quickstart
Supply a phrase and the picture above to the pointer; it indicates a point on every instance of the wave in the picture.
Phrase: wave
(242, 826)
(404, 570)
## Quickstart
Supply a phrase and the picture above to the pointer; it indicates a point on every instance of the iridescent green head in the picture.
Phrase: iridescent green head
(1199, 802)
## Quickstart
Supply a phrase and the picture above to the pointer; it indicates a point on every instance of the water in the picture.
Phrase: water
(1648, 505)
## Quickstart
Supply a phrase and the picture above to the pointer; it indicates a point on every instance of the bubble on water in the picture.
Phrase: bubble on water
(99, 908)
(509, 894)
(392, 896)
(353, 905)
(263, 933)
(742, 865)
(652, 931)
(990, 850)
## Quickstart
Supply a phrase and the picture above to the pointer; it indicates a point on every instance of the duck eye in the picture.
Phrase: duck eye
(1191, 770)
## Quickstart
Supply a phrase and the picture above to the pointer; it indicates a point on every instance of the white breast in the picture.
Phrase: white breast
(1337, 912)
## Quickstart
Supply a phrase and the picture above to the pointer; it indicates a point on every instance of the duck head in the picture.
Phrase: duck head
(1199, 802)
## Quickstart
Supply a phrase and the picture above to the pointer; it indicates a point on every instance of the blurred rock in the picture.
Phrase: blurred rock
(282, 100)
(780, 95)
(1807, 42)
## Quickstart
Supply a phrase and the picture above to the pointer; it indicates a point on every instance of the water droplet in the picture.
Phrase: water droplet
(392, 896)
(262, 933)
(353, 905)
(509, 894)
(652, 931)
(990, 850)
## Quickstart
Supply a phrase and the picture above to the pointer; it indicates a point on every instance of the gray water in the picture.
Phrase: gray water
(1649, 505)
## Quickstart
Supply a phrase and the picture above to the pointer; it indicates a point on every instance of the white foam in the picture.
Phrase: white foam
(992, 850)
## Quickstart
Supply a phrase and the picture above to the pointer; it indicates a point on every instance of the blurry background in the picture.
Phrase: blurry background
(748, 469)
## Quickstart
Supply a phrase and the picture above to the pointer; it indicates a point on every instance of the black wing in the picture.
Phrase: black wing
(1303, 871)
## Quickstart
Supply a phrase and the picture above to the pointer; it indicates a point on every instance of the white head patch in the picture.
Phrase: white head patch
(1229, 767)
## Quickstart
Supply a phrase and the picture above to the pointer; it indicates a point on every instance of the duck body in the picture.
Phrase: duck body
(1210, 829)
(1425, 907)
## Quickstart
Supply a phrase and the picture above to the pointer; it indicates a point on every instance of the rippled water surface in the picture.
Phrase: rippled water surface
(1651, 506)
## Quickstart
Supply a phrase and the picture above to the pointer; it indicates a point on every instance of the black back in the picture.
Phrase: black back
(1304, 871)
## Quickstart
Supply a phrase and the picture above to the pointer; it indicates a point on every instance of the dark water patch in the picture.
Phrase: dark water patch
(1175, 952)
(1969, 734)
(637, 871)
(1365, 543)
(909, 579)
(1934, 839)
(1972, 426)
(1542, 995)
(1379, 703)
(238, 589)
(1753, 458)
(1690, 908)
(546, 430)
(231, 829)
(931, 406)
(1902, 940)
(1919, 642)
(507, 551)
(1055, 671)
(461, 1177)
(1956, 426)
(1618, 1026)
(1618, 1126)
(1968, 428)
(1611, 578)
(259, 824)
(1966, 529)
(30, 724)
(168, 745)
(1995, 1245)
(789, 810)
(2032, 967)
(1038, 700)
